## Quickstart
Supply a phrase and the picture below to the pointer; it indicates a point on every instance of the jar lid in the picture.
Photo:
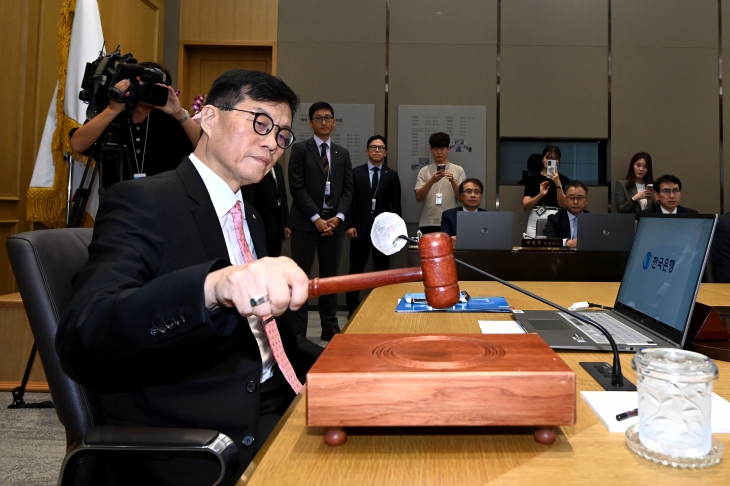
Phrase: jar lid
(675, 364)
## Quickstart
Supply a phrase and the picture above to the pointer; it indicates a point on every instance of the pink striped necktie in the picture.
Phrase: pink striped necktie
(272, 332)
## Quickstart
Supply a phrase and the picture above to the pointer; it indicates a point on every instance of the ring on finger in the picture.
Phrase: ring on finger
(259, 301)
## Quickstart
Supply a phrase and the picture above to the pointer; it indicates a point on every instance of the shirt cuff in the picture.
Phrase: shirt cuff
(314, 218)
(565, 241)
(341, 216)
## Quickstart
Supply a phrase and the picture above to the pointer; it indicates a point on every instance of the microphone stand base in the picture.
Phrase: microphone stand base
(601, 372)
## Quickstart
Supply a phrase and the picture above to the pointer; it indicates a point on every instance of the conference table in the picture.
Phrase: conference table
(584, 453)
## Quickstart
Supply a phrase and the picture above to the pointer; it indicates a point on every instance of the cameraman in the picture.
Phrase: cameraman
(157, 137)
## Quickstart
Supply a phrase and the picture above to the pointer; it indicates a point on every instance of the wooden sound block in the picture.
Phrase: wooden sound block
(369, 380)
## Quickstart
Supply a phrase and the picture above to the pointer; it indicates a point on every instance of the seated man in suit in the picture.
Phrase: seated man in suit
(669, 193)
(470, 194)
(171, 317)
(564, 223)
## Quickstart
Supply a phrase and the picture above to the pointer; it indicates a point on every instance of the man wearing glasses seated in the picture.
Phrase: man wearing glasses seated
(171, 321)
(320, 183)
(564, 223)
(669, 193)
(470, 194)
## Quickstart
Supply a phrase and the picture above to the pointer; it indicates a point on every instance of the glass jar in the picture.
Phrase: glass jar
(675, 399)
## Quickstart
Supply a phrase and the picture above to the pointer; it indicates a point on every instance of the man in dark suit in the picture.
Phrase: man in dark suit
(320, 184)
(669, 193)
(564, 223)
(269, 199)
(470, 194)
(376, 190)
(170, 321)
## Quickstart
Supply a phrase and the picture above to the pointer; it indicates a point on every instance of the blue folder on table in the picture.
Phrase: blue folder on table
(417, 303)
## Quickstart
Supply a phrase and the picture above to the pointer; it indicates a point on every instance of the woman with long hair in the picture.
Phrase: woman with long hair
(544, 193)
(632, 194)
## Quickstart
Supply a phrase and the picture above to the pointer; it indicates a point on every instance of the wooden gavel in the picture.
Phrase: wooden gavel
(438, 272)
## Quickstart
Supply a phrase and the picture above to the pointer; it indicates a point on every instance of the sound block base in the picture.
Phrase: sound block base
(337, 437)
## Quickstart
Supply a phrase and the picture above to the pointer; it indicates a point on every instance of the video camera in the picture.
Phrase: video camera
(101, 76)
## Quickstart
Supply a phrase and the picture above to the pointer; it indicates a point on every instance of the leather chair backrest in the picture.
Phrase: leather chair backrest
(539, 229)
(44, 263)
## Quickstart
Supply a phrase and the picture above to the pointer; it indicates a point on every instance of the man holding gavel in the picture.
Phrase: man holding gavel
(171, 318)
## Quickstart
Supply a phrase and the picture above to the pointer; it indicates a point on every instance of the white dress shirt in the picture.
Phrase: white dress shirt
(223, 200)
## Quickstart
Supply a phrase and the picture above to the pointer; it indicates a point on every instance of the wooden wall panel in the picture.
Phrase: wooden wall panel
(665, 97)
(13, 86)
(228, 20)
(137, 25)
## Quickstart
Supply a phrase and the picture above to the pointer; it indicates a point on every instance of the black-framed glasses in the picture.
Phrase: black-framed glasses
(320, 119)
(475, 192)
(377, 148)
(576, 198)
(666, 191)
(263, 124)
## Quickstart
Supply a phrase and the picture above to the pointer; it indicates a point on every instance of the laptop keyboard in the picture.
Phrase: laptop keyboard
(620, 332)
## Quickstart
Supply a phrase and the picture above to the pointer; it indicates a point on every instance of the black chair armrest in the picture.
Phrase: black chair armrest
(114, 438)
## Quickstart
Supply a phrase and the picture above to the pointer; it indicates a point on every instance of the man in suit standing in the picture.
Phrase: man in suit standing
(470, 194)
(376, 190)
(669, 193)
(320, 183)
(269, 199)
(564, 223)
(171, 317)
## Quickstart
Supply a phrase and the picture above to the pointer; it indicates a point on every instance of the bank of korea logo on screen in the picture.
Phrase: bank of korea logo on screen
(647, 260)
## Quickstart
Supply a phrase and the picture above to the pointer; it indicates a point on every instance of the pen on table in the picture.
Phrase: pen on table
(625, 415)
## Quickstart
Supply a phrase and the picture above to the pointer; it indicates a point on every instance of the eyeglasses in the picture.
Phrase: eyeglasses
(263, 124)
(576, 198)
(667, 191)
(320, 119)
(377, 148)
(475, 192)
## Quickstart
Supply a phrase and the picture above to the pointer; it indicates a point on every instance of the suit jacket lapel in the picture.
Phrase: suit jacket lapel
(254, 226)
(204, 213)
(317, 154)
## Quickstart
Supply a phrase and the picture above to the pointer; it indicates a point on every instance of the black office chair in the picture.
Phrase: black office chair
(540, 227)
(44, 262)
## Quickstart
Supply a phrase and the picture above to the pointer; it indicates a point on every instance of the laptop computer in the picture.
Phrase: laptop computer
(484, 230)
(657, 293)
(605, 232)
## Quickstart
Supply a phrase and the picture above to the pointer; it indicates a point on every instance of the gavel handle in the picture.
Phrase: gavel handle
(362, 281)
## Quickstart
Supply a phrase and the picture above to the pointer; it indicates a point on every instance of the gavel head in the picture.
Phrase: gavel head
(440, 281)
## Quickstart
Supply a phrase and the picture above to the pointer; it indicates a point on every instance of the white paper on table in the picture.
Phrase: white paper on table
(501, 327)
(607, 404)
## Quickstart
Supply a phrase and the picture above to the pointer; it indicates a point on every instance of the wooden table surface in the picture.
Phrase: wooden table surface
(585, 453)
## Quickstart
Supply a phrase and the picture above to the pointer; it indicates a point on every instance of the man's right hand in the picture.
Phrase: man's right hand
(280, 279)
(351, 233)
(122, 86)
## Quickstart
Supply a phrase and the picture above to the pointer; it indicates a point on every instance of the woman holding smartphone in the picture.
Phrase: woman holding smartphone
(634, 194)
(544, 194)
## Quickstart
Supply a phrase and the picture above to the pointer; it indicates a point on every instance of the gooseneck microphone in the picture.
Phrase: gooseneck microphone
(617, 378)
(388, 234)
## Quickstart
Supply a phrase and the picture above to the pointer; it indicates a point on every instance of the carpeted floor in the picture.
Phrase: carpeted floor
(33, 441)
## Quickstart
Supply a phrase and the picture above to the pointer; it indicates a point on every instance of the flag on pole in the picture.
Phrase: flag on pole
(80, 40)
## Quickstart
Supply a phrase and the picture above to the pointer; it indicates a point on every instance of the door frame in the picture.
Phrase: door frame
(184, 55)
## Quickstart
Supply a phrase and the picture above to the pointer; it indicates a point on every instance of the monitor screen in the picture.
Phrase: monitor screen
(664, 270)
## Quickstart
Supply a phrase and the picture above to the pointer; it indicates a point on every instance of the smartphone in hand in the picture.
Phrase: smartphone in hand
(552, 167)
(650, 187)
(441, 167)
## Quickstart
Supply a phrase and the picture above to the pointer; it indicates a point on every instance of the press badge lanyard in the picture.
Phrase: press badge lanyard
(139, 173)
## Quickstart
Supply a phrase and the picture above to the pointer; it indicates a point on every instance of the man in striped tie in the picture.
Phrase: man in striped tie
(172, 319)
(321, 187)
